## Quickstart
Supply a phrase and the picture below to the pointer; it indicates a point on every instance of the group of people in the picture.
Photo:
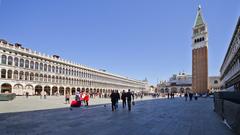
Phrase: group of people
(126, 98)
(190, 95)
(80, 97)
(170, 95)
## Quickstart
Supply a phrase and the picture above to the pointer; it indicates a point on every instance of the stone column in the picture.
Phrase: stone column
(51, 91)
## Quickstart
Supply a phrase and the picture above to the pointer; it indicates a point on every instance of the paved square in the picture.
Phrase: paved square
(152, 117)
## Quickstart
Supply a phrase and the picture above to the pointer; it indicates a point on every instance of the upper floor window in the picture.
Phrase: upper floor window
(45, 67)
(32, 65)
(3, 73)
(36, 65)
(41, 66)
(53, 69)
(63, 71)
(56, 69)
(49, 68)
(21, 63)
(10, 60)
(66, 71)
(60, 70)
(4, 59)
(16, 61)
(27, 64)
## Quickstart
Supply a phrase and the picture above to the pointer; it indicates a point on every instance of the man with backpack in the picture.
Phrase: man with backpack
(123, 97)
(129, 96)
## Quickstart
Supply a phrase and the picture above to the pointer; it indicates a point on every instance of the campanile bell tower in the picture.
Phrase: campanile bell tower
(200, 55)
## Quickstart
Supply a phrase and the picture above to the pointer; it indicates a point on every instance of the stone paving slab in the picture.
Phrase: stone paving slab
(151, 117)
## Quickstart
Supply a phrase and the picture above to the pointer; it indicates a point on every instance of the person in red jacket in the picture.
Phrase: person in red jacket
(86, 98)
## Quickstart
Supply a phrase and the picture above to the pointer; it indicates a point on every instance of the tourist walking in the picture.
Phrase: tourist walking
(113, 100)
(123, 97)
(168, 95)
(77, 96)
(196, 96)
(27, 94)
(86, 99)
(186, 96)
(67, 98)
(45, 95)
(82, 97)
(129, 96)
(117, 98)
(190, 96)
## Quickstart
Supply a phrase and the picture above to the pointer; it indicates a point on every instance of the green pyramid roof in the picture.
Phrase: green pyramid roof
(199, 18)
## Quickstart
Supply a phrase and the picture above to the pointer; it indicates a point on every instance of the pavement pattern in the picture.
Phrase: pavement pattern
(151, 117)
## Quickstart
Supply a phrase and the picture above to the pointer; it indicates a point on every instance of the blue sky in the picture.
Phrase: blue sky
(134, 38)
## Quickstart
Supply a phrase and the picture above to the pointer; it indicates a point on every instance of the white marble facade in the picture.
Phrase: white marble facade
(24, 70)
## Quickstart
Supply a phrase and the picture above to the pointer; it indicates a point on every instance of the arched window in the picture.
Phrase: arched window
(60, 70)
(21, 75)
(36, 65)
(45, 67)
(16, 61)
(56, 69)
(26, 76)
(49, 68)
(63, 71)
(66, 71)
(32, 65)
(9, 74)
(57, 79)
(27, 64)
(21, 62)
(66, 80)
(10, 60)
(41, 66)
(36, 76)
(41, 77)
(60, 79)
(15, 75)
(4, 59)
(53, 69)
(32, 77)
(53, 79)
(45, 78)
(70, 72)
(215, 82)
(49, 78)
(3, 73)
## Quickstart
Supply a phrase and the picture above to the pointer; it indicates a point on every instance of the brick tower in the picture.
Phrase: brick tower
(200, 55)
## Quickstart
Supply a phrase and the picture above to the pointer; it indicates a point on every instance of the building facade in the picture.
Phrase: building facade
(230, 69)
(182, 82)
(24, 70)
(178, 83)
(200, 55)
(214, 83)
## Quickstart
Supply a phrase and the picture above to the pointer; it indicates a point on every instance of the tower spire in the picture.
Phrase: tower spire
(199, 19)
